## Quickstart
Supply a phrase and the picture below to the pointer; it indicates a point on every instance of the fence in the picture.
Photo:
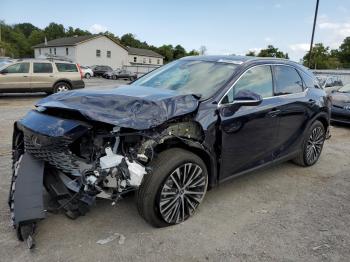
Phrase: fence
(140, 69)
(343, 74)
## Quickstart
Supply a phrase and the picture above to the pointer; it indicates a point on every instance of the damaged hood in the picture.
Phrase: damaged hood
(128, 106)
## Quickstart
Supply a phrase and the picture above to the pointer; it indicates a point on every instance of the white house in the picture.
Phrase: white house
(97, 50)
(138, 56)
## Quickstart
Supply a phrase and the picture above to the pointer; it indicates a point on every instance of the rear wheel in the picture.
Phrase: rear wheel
(87, 76)
(114, 77)
(312, 145)
(174, 189)
(61, 87)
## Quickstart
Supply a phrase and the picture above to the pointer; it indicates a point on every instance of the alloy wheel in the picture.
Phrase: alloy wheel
(314, 144)
(62, 88)
(182, 193)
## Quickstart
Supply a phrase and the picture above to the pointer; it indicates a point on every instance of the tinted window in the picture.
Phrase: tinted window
(42, 68)
(309, 81)
(62, 67)
(288, 80)
(257, 79)
(18, 68)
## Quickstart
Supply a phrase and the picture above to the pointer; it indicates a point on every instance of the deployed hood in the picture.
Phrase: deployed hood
(128, 106)
(340, 99)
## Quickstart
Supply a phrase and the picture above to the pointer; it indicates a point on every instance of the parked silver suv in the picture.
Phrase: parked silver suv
(35, 75)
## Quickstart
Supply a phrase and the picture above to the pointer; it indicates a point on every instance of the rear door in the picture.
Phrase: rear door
(15, 77)
(293, 104)
(248, 136)
(43, 76)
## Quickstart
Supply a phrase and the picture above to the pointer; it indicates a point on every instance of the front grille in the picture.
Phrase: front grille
(54, 151)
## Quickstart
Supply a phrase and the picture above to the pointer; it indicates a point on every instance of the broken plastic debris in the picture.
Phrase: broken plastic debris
(110, 159)
(112, 238)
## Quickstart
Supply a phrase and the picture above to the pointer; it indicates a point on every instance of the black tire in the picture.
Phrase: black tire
(304, 158)
(87, 76)
(150, 192)
(61, 87)
(114, 77)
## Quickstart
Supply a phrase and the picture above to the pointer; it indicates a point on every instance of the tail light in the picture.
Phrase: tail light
(81, 72)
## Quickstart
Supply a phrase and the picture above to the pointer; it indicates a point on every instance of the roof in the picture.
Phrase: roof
(72, 41)
(241, 59)
(143, 52)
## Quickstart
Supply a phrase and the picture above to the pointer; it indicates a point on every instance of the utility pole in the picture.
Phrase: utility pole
(313, 32)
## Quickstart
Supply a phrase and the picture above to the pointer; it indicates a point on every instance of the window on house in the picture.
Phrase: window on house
(54, 50)
(50, 51)
(158, 61)
(67, 52)
(109, 54)
(42, 68)
(135, 59)
(144, 60)
(39, 51)
(98, 53)
(150, 60)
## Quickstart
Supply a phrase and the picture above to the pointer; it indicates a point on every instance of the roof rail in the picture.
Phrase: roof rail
(54, 57)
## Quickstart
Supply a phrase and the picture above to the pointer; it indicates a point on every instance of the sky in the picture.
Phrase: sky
(223, 26)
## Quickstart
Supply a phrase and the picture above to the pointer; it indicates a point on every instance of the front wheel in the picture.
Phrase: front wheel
(87, 76)
(174, 189)
(312, 145)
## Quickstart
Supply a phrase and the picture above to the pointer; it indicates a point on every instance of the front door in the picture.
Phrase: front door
(42, 77)
(15, 77)
(248, 135)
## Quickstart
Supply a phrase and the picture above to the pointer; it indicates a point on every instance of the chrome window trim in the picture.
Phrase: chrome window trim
(264, 98)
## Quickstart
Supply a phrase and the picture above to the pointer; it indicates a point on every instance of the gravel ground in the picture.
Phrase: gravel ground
(283, 213)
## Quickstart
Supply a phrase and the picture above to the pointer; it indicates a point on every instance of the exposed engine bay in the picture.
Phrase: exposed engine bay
(78, 161)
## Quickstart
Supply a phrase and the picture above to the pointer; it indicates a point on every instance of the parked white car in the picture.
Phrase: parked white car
(87, 71)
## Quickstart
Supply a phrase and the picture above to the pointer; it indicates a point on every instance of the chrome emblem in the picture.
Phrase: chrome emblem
(347, 107)
(35, 141)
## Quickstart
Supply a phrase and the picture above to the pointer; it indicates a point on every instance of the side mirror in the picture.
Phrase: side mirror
(247, 98)
(242, 98)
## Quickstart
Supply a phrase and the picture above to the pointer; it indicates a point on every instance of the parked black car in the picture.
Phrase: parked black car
(125, 74)
(341, 105)
(100, 70)
(171, 135)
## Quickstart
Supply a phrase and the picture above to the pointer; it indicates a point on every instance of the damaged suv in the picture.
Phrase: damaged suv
(169, 136)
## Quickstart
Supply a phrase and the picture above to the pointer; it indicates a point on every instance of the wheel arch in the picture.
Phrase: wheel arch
(62, 80)
(195, 148)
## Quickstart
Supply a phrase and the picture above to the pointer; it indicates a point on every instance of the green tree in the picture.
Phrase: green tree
(193, 53)
(250, 53)
(179, 52)
(322, 57)
(344, 53)
(167, 51)
(53, 31)
(25, 28)
(272, 51)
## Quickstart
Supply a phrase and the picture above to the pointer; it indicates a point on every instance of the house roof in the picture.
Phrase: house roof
(72, 41)
(143, 52)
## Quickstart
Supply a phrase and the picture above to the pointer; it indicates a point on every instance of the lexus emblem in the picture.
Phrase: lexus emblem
(35, 141)
(347, 107)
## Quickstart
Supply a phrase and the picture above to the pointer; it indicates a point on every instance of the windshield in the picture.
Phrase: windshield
(190, 77)
(345, 89)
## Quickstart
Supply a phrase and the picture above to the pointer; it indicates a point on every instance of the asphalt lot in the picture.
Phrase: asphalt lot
(283, 213)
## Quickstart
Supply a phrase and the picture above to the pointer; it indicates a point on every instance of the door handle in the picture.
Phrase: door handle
(274, 113)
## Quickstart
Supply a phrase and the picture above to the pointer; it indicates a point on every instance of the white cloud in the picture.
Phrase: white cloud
(301, 47)
(335, 32)
(97, 28)
(268, 39)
